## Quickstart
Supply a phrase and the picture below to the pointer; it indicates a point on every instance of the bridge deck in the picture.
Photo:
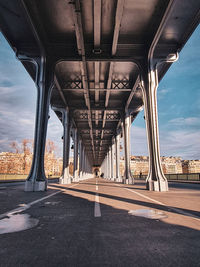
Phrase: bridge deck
(69, 234)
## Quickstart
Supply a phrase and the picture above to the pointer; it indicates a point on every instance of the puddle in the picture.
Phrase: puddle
(16, 223)
(150, 214)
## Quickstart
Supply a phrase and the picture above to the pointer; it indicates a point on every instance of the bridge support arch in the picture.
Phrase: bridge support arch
(156, 180)
(126, 124)
(36, 180)
(117, 156)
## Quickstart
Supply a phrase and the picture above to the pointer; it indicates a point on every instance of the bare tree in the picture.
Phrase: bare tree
(15, 146)
(26, 151)
(50, 146)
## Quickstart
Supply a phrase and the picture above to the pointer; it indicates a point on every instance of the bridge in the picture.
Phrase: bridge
(98, 64)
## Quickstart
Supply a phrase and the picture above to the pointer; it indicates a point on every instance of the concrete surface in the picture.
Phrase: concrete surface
(88, 224)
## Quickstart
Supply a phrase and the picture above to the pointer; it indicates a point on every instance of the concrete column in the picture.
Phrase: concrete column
(65, 178)
(108, 165)
(102, 167)
(117, 156)
(80, 158)
(104, 170)
(83, 169)
(126, 135)
(75, 172)
(156, 181)
(36, 180)
(113, 160)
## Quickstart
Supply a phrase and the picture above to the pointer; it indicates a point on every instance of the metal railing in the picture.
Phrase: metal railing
(183, 176)
(10, 176)
(17, 177)
(175, 177)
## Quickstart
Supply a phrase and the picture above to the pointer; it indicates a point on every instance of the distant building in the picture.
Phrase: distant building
(140, 165)
(171, 165)
(20, 163)
(191, 166)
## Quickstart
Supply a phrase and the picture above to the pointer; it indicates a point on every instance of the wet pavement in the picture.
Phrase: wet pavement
(99, 223)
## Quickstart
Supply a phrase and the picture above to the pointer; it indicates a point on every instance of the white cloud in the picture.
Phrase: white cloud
(138, 141)
(184, 143)
(162, 92)
(181, 121)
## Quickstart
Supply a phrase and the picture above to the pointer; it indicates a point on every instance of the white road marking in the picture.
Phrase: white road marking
(97, 210)
(177, 210)
(151, 199)
(28, 205)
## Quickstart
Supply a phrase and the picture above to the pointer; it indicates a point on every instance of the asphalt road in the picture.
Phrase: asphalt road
(99, 223)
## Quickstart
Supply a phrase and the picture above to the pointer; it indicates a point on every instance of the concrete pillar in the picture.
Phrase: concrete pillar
(65, 178)
(110, 163)
(80, 158)
(113, 160)
(117, 156)
(36, 180)
(126, 135)
(75, 171)
(156, 181)
(83, 164)
(102, 168)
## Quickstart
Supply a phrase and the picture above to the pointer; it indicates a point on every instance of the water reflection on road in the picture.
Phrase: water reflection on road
(16, 223)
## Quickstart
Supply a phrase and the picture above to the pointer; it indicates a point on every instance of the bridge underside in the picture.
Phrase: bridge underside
(98, 64)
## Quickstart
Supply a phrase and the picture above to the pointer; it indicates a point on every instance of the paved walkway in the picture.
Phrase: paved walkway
(99, 223)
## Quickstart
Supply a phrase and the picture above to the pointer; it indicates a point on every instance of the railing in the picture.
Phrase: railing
(7, 177)
(175, 177)
(183, 176)
(19, 177)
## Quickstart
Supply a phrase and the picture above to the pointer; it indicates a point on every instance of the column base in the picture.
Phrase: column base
(125, 181)
(75, 179)
(31, 186)
(65, 180)
(130, 181)
(159, 186)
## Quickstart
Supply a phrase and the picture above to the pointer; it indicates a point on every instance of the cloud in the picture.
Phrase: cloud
(55, 132)
(181, 121)
(183, 143)
(162, 92)
(138, 141)
(178, 143)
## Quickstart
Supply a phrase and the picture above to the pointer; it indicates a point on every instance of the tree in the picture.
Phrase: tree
(50, 146)
(15, 146)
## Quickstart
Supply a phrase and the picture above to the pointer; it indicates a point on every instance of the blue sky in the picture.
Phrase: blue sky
(178, 106)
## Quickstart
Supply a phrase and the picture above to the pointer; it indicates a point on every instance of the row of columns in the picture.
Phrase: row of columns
(156, 180)
(37, 180)
(82, 168)
(110, 167)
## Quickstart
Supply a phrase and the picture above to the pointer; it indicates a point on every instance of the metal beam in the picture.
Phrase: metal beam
(132, 93)
(99, 89)
(76, 9)
(118, 18)
(97, 41)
